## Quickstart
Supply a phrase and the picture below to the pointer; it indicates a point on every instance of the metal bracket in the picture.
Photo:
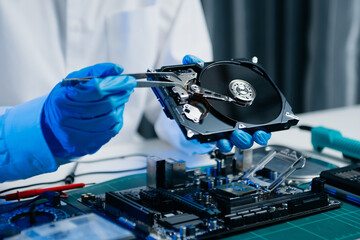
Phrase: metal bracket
(299, 162)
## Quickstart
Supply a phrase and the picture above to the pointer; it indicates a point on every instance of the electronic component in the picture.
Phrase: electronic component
(286, 157)
(298, 163)
(209, 204)
(235, 189)
(165, 173)
(47, 208)
(185, 204)
(89, 226)
(344, 182)
(118, 204)
(219, 97)
(178, 221)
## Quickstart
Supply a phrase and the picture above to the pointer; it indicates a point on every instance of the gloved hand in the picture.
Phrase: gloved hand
(239, 138)
(79, 119)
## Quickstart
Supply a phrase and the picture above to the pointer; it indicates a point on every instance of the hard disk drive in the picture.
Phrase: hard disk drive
(212, 99)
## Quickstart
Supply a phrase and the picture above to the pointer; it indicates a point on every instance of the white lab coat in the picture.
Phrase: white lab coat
(41, 41)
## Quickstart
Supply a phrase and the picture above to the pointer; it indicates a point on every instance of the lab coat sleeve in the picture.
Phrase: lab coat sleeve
(23, 149)
(188, 34)
(185, 33)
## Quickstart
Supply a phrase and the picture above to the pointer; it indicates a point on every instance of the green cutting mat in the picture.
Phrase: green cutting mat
(343, 223)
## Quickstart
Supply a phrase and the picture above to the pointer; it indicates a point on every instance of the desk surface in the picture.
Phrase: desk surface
(337, 224)
(345, 120)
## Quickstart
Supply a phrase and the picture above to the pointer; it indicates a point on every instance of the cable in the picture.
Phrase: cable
(305, 127)
(72, 174)
(78, 175)
(109, 172)
(30, 185)
(69, 179)
(114, 158)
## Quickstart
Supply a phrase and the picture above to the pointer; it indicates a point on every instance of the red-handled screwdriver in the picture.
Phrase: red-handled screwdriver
(34, 192)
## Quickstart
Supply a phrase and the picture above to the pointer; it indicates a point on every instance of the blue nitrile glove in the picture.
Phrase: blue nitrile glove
(79, 119)
(239, 138)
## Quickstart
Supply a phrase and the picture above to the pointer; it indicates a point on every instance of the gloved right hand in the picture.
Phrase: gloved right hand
(79, 119)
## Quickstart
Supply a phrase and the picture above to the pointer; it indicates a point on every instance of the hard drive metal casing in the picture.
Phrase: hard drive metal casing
(214, 125)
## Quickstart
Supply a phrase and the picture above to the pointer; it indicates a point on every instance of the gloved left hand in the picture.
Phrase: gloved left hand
(78, 119)
(239, 138)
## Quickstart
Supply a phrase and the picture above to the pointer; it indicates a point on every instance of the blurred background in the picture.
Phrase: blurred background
(311, 49)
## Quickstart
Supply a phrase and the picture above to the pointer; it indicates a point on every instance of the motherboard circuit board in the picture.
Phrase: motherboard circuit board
(179, 203)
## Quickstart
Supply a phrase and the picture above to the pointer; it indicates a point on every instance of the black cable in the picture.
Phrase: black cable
(114, 158)
(69, 179)
(305, 127)
(109, 172)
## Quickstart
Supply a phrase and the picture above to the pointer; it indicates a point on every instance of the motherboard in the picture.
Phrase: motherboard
(181, 203)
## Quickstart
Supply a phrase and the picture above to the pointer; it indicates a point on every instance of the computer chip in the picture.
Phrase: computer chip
(235, 189)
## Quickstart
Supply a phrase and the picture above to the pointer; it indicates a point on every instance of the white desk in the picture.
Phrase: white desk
(346, 120)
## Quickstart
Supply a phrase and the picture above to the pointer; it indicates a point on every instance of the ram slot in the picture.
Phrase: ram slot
(187, 205)
(116, 204)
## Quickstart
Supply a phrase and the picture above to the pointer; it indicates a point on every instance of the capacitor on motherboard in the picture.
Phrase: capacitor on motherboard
(182, 231)
(207, 183)
(198, 196)
(207, 199)
(212, 224)
(220, 180)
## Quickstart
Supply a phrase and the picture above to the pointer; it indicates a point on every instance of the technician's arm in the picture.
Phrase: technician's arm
(23, 149)
(72, 121)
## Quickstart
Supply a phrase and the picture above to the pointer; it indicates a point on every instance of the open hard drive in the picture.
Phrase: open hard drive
(215, 98)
